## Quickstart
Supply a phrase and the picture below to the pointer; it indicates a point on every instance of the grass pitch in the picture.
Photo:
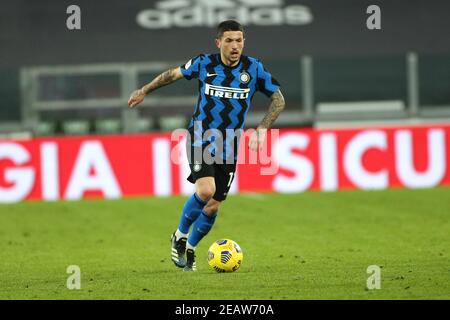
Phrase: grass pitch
(298, 246)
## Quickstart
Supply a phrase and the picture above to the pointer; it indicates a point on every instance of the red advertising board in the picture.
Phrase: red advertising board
(295, 160)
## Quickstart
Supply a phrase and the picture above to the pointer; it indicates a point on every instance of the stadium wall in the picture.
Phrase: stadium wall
(296, 160)
(164, 30)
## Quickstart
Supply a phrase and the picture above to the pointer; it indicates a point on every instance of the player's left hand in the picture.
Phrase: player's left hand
(257, 139)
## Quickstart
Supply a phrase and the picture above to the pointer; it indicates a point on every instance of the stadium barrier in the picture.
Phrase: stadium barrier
(71, 168)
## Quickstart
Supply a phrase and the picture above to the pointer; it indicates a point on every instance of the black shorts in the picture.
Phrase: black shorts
(222, 170)
(223, 176)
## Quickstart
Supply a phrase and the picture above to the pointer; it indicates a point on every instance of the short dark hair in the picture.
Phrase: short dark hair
(228, 25)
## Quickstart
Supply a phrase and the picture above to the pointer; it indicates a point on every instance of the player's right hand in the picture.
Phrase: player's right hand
(136, 97)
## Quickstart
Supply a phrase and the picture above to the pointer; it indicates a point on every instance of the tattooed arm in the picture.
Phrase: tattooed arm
(275, 108)
(162, 80)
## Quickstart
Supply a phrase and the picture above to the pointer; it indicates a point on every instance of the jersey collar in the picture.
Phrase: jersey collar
(225, 66)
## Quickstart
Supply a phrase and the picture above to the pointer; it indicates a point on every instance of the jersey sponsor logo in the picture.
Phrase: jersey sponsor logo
(211, 74)
(226, 92)
(208, 13)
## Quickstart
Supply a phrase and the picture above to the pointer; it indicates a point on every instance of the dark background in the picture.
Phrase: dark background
(351, 62)
(34, 32)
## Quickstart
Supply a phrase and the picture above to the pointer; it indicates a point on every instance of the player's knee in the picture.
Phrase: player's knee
(206, 192)
(212, 208)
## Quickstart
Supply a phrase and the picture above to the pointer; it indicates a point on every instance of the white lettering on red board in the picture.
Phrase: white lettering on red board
(92, 156)
(318, 159)
(22, 179)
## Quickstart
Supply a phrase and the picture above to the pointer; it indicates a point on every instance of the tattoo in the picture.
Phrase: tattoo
(275, 108)
(162, 80)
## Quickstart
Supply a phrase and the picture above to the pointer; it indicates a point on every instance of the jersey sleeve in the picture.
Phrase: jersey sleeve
(191, 69)
(266, 83)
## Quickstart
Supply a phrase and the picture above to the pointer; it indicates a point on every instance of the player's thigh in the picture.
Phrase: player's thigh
(202, 175)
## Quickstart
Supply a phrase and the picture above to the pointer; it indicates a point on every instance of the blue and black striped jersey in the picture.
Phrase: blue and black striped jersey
(225, 93)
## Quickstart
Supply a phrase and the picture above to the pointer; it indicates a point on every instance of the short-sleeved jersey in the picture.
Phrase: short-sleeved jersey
(225, 93)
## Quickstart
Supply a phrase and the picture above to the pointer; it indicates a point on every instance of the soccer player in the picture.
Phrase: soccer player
(227, 82)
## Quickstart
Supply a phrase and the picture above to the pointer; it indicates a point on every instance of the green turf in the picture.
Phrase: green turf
(299, 246)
